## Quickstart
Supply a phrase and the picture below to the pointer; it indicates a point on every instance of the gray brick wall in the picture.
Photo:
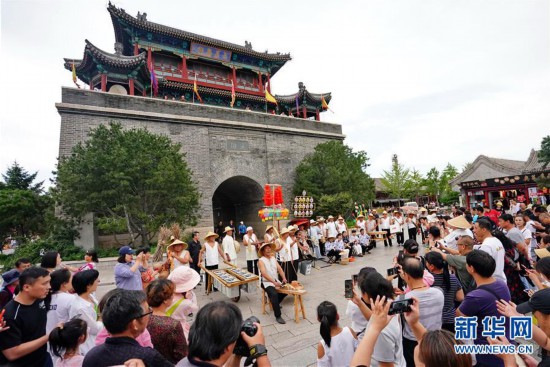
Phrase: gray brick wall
(219, 143)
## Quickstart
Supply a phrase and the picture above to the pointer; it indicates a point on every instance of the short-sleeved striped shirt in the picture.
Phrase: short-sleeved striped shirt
(450, 295)
(431, 309)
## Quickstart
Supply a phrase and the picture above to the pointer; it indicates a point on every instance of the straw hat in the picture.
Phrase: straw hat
(211, 234)
(330, 217)
(227, 229)
(459, 222)
(270, 244)
(360, 216)
(371, 215)
(384, 212)
(268, 228)
(284, 231)
(329, 237)
(184, 278)
(321, 219)
(312, 222)
(178, 242)
(292, 228)
(423, 209)
(340, 217)
(543, 252)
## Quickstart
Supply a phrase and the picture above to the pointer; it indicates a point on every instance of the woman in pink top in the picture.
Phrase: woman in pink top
(91, 260)
(184, 304)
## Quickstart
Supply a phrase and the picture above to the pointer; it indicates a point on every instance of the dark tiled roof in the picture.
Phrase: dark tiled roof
(533, 164)
(118, 13)
(92, 53)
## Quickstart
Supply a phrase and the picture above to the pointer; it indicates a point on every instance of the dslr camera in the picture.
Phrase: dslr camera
(241, 348)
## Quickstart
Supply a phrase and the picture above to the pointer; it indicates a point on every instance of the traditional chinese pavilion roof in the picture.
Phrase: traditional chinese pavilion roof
(122, 20)
(95, 58)
(312, 101)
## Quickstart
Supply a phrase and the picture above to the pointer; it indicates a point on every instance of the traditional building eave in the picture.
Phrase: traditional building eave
(120, 17)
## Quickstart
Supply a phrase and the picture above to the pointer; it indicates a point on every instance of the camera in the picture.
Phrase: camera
(241, 349)
(393, 271)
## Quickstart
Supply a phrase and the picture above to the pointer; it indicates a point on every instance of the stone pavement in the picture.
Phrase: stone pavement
(292, 344)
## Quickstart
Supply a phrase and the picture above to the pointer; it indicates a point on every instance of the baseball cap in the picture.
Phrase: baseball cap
(126, 250)
(411, 246)
(540, 301)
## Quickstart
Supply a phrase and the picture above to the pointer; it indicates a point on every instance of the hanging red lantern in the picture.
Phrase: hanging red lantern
(278, 195)
(268, 196)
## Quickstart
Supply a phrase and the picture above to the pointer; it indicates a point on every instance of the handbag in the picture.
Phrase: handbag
(395, 228)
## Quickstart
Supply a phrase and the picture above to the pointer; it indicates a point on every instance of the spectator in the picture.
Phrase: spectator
(431, 301)
(358, 320)
(492, 214)
(178, 254)
(213, 336)
(166, 333)
(194, 251)
(507, 223)
(50, 261)
(184, 302)
(491, 245)
(338, 344)
(465, 245)
(389, 347)
(24, 343)
(452, 290)
(242, 229)
(22, 264)
(60, 300)
(460, 227)
(410, 249)
(544, 250)
(91, 260)
(513, 260)
(251, 242)
(481, 302)
(148, 274)
(10, 282)
(127, 275)
(143, 339)
(126, 315)
(65, 341)
(85, 305)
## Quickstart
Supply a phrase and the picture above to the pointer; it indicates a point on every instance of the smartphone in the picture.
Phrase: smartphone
(393, 271)
(348, 288)
(355, 278)
(400, 306)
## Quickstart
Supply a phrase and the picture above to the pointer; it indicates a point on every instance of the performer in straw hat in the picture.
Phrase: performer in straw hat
(210, 251)
(228, 245)
(460, 227)
(322, 236)
(251, 242)
(269, 235)
(284, 254)
(178, 254)
(269, 269)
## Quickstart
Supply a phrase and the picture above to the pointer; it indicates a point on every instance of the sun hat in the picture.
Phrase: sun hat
(284, 231)
(268, 228)
(371, 215)
(270, 244)
(184, 278)
(540, 301)
(249, 228)
(543, 252)
(360, 216)
(384, 212)
(321, 219)
(330, 217)
(242, 222)
(340, 217)
(227, 229)
(10, 276)
(459, 222)
(330, 236)
(499, 203)
(422, 209)
(211, 234)
(292, 228)
(126, 250)
(312, 222)
(178, 242)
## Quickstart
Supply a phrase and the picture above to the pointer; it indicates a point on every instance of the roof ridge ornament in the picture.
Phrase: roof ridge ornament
(248, 45)
(141, 17)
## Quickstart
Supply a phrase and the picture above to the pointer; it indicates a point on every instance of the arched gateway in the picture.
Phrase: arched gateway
(237, 198)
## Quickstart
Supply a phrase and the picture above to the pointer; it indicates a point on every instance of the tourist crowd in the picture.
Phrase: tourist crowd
(478, 263)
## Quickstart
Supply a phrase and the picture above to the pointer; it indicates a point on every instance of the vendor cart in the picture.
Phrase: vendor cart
(230, 281)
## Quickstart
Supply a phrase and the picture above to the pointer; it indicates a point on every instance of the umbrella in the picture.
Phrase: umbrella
(408, 208)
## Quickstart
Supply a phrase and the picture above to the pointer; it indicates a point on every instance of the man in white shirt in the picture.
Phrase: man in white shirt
(398, 219)
(341, 225)
(322, 233)
(331, 230)
(314, 233)
(251, 242)
(385, 226)
(228, 246)
(460, 227)
(361, 223)
(491, 245)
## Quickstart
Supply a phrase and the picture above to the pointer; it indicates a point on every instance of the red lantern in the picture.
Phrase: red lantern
(278, 195)
(268, 196)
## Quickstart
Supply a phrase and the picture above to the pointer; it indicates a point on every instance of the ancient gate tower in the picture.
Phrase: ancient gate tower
(211, 96)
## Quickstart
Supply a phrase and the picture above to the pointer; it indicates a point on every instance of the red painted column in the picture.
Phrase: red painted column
(104, 82)
(184, 73)
(136, 49)
(144, 93)
(235, 77)
(317, 117)
(91, 84)
(131, 85)
(149, 58)
(304, 111)
(260, 85)
(268, 84)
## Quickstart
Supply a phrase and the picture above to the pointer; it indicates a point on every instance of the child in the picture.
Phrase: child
(65, 341)
(338, 344)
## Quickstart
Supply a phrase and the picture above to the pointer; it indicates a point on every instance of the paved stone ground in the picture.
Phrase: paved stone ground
(292, 344)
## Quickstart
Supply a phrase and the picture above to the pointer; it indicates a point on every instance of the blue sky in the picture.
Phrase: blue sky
(433, 81)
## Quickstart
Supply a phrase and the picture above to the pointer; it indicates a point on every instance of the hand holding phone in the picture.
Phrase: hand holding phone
(348, 288)
(400, 306)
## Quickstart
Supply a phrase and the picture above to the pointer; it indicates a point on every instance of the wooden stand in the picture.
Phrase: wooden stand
(298, 302)
(378, 235)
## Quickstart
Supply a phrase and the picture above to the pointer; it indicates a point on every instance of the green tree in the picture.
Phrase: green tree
(133, 176)
(447, 195)
(432, 183)
(16, 177)
(22, 211)
(334, 168)
(544, 158)
(415, 187)
(334, 204)
(397, 181)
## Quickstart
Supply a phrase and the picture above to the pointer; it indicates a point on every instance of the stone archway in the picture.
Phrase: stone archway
(238, 198)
